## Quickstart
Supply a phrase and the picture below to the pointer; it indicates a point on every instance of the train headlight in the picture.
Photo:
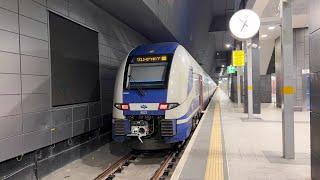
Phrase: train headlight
(168, 106)
(122, 106)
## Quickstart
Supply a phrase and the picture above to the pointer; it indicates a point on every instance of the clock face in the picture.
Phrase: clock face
(244, 24)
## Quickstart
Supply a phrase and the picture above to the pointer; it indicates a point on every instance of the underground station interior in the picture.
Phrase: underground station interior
(160, 89)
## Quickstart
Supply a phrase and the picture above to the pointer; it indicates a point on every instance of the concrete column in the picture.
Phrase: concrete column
(238, 80)
(253, 78)
(239, 85)
(256, 76)
(249, 79)
(288, 89)
(245, 86)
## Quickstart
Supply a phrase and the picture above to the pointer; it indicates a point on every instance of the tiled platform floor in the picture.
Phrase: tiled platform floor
(254, 147)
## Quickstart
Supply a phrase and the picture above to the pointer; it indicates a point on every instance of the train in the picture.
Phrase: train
(160, 93)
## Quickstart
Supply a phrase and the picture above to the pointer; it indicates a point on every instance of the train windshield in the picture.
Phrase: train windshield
(147, 75)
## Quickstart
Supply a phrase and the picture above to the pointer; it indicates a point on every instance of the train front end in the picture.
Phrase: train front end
(140, 101)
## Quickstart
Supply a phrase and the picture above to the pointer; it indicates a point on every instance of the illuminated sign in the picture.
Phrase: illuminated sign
(151, 59)
(238, 58)
(231, 69)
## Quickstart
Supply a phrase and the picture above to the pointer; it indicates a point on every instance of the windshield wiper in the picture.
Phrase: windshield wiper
(140, 90)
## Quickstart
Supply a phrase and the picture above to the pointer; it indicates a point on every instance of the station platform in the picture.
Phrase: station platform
(226, 145)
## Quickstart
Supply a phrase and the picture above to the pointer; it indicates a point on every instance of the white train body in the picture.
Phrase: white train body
(159, 90)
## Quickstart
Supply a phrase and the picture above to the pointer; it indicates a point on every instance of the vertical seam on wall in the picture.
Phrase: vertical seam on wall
(21, 97)
(50, 74)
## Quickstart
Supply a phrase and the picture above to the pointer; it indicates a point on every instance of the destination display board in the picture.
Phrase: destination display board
(151, 59)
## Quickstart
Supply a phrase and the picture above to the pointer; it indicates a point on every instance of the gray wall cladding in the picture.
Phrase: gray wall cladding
(27, 120)
(314, 37)
(301, 61)
(265, 89)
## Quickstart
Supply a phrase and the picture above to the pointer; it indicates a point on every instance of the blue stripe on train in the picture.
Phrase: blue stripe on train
(150, 96)
(183, 130)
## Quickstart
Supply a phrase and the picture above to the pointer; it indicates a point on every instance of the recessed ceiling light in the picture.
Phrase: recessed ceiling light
(271, 27)
(264, 35)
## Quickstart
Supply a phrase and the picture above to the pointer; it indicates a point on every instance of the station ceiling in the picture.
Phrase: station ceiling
(200, 26)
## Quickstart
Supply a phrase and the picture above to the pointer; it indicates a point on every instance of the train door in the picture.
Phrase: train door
(201, 103)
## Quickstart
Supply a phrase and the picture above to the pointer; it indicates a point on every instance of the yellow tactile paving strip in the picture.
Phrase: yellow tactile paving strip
(214, 169)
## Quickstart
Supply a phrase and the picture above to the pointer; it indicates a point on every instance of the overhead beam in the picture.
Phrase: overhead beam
(257, 5)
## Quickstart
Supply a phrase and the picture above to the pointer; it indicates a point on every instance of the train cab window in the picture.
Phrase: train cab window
(147, 75)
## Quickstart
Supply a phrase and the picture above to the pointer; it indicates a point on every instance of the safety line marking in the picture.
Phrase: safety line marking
(287, 90)
(215, 168)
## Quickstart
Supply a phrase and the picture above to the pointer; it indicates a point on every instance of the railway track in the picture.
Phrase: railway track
(161, 173)
(116, 168)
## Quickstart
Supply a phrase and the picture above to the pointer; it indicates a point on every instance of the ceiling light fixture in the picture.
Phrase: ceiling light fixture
(271, 27)
(228, 45)
(264, 35)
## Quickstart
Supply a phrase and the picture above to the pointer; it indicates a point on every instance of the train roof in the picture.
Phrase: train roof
(157, 48)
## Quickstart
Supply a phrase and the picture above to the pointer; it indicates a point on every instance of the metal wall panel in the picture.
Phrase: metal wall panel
(58, 5)
(314, 13)
(62, 116)
(34, 65)
(80, 127)
(36, 121)
(35, 71)
(9, 4)
(10, 126)
(10, 84)
(9, 21)
(35, 84)
(36, 140)
(35, 102)
(315, 51)
(94, 109)
(32, 28)
(76, 9)
(10, 105)
(33, 10)
(80, 113)
(34, 47)
(11, 147)
(62, 132)
(10, 63)
(315, 87)
(9, 42)
(95, 123)
(315, 92)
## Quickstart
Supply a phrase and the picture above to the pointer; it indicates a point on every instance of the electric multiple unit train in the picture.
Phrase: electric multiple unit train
(160, 92)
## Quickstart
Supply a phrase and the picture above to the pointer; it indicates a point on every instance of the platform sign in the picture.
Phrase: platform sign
(238, 58)
(231, 69)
